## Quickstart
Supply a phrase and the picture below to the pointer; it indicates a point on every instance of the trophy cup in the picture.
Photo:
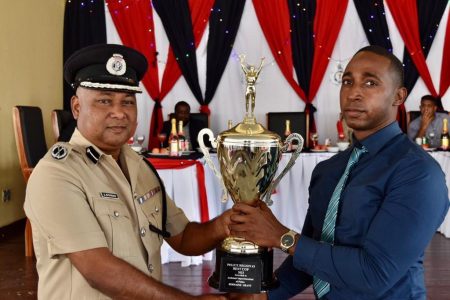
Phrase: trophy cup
(248, 156)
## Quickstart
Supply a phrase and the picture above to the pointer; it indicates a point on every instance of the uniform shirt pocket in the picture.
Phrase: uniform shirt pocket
(114, 218)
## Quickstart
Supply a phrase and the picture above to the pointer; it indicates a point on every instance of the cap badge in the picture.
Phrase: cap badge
(116, 65)
(59, 152)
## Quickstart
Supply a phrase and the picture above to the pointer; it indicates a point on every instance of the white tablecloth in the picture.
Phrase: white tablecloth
(290, 201)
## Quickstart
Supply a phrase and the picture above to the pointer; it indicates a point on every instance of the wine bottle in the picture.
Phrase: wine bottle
(181, 137)
(287, 132)
(444, 135)
(230, 124)
(173, 139)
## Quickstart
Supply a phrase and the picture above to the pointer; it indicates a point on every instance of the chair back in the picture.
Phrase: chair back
(62, 121)
(202, 117)
(412, 115)
(30, 137)
(276, 122)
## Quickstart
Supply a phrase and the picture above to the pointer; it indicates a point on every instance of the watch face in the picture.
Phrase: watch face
(287, 240)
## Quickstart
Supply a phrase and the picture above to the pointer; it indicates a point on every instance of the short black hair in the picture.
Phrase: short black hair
(396, 64)
(182, 103)
(429, 98)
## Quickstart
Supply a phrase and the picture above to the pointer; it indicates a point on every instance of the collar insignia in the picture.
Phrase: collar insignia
(149, 194)
(116, 65)
(59, 152)
(109, 195)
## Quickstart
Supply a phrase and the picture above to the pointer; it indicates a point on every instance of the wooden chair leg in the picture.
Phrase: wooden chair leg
(28, 239)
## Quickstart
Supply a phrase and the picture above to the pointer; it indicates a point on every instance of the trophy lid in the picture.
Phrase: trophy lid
(249, 133)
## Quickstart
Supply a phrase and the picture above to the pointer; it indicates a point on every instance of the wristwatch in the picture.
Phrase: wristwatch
(287, 240)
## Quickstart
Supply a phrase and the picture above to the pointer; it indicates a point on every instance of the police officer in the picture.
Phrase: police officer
(99, 212)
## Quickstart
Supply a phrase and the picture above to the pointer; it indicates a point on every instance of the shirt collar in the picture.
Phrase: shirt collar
(78, 139)
(376, 141)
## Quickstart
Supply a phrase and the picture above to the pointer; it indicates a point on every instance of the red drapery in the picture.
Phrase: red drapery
(134, 23)
(445, 69)
(327, 25)
(200, 11)
(273, 17)
(133, 20)
(404, 13)
(164, 163)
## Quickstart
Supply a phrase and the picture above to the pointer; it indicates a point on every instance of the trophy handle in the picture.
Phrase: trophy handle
(205, 151)
(276, 181)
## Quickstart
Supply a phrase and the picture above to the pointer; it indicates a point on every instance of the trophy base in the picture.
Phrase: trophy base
(243, 273)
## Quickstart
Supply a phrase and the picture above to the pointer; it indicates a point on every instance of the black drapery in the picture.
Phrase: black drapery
(224, 22)
(373, 19)
(84, 25)
(176, 18)
(430, 14)
(302, 40)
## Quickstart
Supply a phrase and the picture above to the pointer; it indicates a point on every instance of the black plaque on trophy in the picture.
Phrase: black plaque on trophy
(241, 276)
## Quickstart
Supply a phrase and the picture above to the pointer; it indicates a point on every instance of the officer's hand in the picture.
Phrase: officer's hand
(234, 296)
(257, 224)
(223, 223)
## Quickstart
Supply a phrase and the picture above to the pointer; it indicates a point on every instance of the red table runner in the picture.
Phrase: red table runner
(167, 163)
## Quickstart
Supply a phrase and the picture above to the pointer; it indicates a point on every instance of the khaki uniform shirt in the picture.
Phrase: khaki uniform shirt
(75, 204)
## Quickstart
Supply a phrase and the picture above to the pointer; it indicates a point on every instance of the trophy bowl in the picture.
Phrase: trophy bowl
(248, 157)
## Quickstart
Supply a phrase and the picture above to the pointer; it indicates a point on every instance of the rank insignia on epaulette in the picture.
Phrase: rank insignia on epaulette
(59, 152)
(92, 154)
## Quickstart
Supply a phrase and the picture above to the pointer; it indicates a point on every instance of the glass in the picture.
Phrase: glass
(141, 139)
(162, 138)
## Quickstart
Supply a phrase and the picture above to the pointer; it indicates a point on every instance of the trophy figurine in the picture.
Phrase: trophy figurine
(248, 157)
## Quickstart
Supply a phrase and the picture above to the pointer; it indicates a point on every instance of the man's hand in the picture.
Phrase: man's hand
(197, 239)
(257, 224)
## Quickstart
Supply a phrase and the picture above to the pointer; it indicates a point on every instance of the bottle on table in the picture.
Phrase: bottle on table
(181, 137)
(173, 139)
(287, 132)
(444, 135)
(230, 124)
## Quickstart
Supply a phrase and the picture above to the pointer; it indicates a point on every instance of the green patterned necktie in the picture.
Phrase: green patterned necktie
(322, 287)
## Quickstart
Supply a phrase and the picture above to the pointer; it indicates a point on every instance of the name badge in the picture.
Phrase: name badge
(109, 195)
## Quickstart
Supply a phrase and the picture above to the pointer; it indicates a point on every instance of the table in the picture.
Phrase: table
(290, 200)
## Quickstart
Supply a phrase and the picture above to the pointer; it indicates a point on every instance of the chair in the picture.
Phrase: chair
(411, 115)
(276, 122)
(63, 124)
(31, 147)
(202, 117)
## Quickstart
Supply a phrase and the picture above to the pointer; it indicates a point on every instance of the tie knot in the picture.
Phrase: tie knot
(357, 152)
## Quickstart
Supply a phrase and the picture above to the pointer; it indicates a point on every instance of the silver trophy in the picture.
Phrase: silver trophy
(248, 156)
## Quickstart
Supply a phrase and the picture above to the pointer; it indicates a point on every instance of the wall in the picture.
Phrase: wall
(30, 74)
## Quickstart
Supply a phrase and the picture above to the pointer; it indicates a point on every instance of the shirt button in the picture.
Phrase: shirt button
(143, 231)
(135, 196)
(150, 268)
(156, 209)
(116, 213)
